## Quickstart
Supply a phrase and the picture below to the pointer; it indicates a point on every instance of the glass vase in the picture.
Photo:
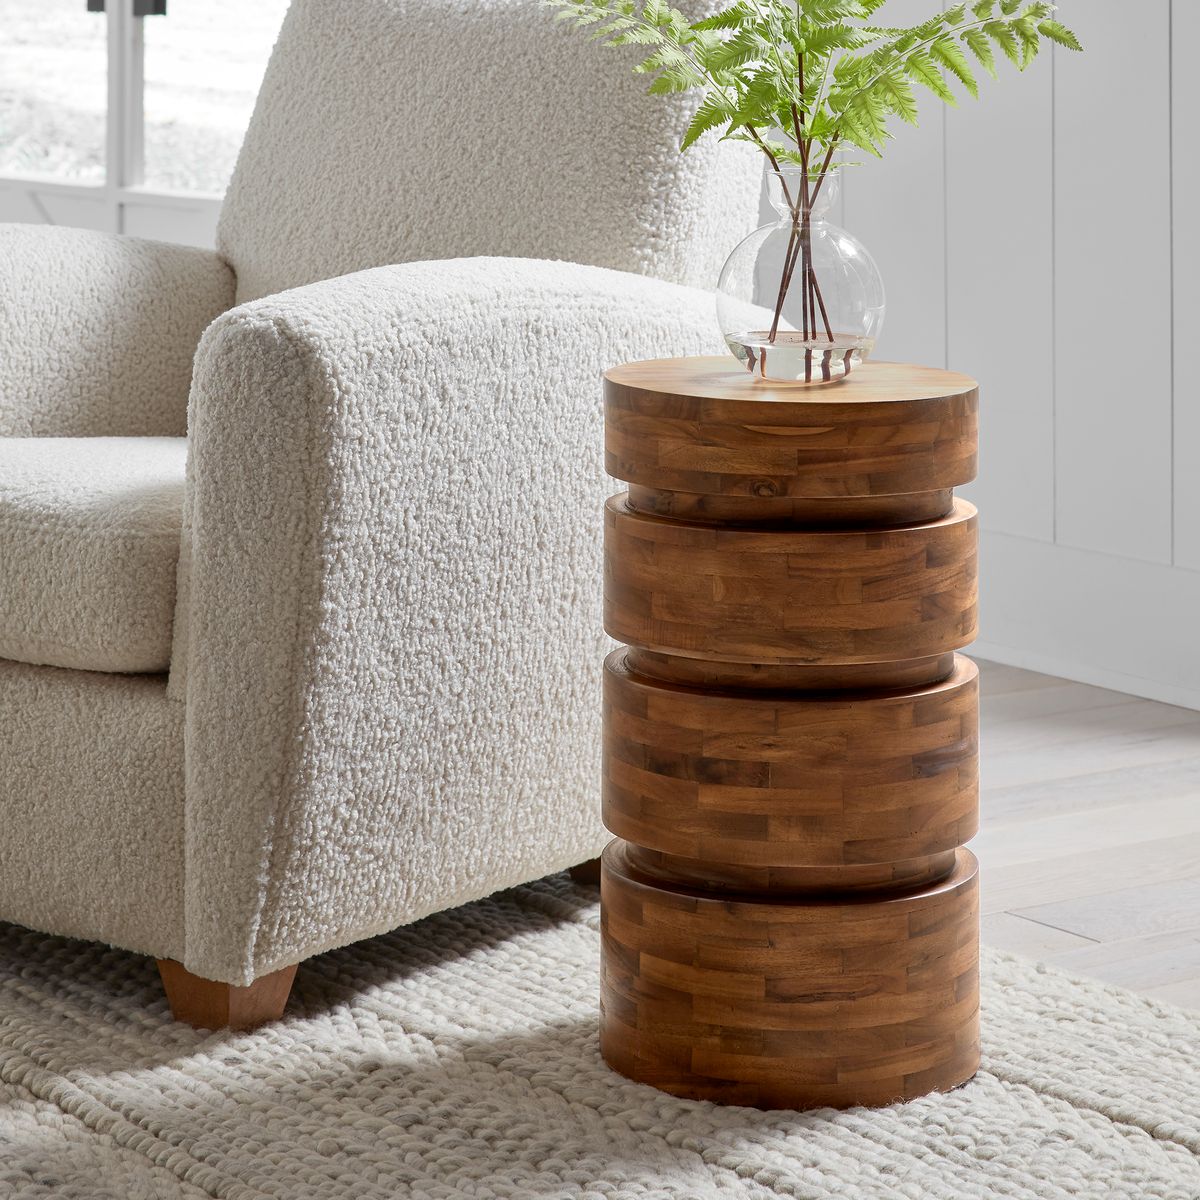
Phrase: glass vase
(800, 300)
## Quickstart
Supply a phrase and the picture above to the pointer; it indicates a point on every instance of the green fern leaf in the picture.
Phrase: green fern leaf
(899, 98)
(666, 58)
(711, 114)
(857, 134)
(636, 35)
(671, 81)
(1060, 34)
(730, 18)
(612, 28)
(1002, 34)
(979, 45)
(1026, 31)
(744, 47)
(924, 70)
(950, 54)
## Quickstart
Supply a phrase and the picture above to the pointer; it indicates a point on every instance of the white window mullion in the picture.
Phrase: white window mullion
(126, 57)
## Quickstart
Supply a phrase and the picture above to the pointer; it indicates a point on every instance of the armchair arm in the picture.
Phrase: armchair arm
(97, 332)
(389, 608)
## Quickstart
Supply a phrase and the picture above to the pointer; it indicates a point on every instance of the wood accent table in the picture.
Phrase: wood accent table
(790, 741)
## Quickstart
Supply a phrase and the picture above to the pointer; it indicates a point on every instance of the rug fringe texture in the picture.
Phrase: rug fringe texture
(458, 1058)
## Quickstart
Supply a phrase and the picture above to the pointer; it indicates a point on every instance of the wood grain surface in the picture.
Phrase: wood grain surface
(805, 677)
(795, 595)
(789, 779)
(790, 1003)
(790, 739)
(698, 427)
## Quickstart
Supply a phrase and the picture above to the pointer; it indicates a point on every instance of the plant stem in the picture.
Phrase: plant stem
(821, 300)
(787, 195)
(799, 245)
(784, 280)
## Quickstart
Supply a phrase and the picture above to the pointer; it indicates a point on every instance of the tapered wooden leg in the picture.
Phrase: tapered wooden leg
(587, 873)
(209, 1004)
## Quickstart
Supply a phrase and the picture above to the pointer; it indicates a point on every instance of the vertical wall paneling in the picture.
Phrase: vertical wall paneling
(1185, 86)
(999, 303)
(1113, 280)
(896, 207)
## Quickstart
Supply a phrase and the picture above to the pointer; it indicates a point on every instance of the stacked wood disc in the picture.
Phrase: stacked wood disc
(790, 767)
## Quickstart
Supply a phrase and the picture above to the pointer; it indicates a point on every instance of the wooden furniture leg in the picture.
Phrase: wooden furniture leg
(208, 1004)
(789, 916)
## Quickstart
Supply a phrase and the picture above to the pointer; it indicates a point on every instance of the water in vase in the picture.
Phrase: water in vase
(790, 357)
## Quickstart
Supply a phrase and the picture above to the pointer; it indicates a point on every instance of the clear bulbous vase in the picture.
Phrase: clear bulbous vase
(800, 300)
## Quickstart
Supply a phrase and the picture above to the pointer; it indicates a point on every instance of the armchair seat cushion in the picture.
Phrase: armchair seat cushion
(89, 545)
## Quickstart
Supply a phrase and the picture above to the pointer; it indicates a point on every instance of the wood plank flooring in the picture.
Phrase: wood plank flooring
(1090, 841)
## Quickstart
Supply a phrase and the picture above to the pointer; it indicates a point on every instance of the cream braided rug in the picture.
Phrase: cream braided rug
(458, 1057)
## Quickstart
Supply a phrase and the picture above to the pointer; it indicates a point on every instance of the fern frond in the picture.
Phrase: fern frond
(897, 95)
(664, 56)
(949, 54)
(1005, 37)
(858, 134)
(636, 35)
(1027, 33)
(979, 44)
(816, 71)
(820, 42)
(736, 17)
(922, 69)
(713, 113)
(1059, 34)
(748, 45)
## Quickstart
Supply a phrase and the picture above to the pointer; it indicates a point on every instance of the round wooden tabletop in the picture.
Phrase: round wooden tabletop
(702, 426)
(721, 378)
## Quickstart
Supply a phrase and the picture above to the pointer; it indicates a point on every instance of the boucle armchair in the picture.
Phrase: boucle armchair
(329, 663)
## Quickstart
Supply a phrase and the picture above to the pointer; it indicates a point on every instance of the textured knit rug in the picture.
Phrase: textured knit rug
(458, 1058)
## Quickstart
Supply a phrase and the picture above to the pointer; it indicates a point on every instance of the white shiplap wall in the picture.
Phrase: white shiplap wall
(1047, 241)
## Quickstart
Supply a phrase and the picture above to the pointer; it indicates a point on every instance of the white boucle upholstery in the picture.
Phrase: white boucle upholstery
(384, 676)
(394, 130)
(392, 599)
(89, 542)
(97, 332)
(91, 807)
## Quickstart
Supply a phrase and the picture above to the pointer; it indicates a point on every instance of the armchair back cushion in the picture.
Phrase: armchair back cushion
(97, 332)
(391, 131)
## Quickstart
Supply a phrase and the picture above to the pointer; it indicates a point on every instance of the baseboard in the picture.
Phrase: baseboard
(1112, 622)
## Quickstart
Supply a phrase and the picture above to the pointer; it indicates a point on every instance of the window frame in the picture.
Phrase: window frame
(122, 203)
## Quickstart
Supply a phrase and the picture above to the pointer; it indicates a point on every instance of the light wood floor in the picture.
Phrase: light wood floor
(1090, 842)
